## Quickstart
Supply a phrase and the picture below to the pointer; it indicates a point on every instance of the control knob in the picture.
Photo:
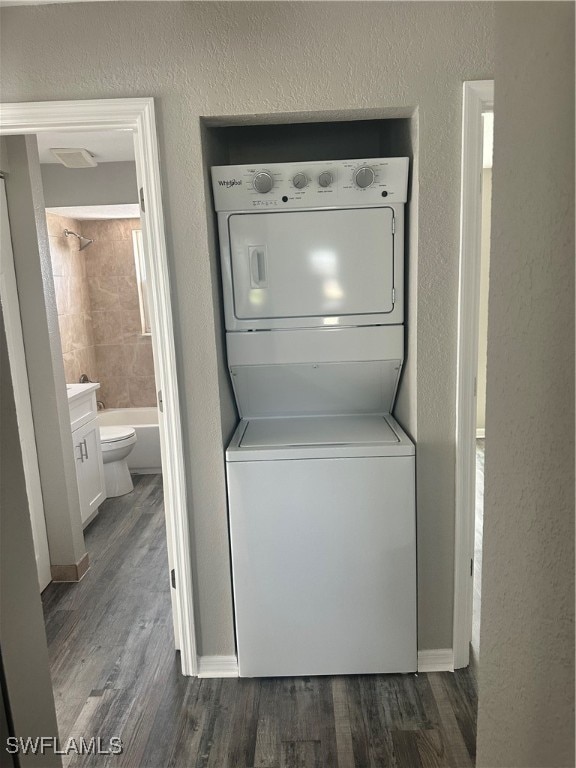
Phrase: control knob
(325, 179)
(364, 177)
(300, 180)
(263, 182)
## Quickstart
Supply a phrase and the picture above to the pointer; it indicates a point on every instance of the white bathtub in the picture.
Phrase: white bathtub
(145, 456)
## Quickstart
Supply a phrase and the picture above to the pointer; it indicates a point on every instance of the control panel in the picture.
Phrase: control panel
(322, 184)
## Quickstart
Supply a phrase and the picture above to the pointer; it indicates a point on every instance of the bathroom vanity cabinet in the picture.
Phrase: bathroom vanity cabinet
(87, 451)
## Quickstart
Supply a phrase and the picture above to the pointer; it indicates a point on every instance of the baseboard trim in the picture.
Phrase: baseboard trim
(436, 660)
(480, 433)
(217, 666)
(73, 572)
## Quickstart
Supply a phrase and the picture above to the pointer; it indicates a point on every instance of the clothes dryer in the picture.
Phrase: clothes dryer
(320, 476)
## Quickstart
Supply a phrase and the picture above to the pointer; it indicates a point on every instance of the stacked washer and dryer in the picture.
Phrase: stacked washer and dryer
(321, 478)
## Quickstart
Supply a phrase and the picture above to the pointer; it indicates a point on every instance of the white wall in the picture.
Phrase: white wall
(41, 335)
(224, 59)
(526, 712)
(106, 184)
(25, 670)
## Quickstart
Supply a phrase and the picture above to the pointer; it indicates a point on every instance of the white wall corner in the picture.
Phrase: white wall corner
(436, 660)
(217, 666)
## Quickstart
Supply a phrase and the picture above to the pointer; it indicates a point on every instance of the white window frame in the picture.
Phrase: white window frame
(141, 279)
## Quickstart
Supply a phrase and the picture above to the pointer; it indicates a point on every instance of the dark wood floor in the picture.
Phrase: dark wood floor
(115, 673)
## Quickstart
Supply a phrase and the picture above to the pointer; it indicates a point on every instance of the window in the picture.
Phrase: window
(139, 261)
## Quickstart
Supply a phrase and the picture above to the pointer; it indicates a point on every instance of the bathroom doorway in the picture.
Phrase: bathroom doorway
(135, 119)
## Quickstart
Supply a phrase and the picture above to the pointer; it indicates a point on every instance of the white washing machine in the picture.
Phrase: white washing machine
(321, 479)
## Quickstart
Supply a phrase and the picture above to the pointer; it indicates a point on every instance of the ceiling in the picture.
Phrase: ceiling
(106, 146)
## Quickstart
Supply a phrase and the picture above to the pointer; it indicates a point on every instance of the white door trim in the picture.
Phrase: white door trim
(137, 115)
(478, 97)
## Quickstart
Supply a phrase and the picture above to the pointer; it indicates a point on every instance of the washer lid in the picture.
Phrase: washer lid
(113, 434)
(308, 431)
(318, 437)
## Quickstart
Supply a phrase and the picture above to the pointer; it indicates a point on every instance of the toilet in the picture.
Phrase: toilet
(116, 443)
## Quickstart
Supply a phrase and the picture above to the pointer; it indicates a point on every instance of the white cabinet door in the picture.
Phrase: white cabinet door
(89, 468)
(313, 263)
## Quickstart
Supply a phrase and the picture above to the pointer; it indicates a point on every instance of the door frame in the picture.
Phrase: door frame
(17, 358)
(478, 97)
(137, 115)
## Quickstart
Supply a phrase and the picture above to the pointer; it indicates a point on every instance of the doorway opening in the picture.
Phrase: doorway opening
(129, 246)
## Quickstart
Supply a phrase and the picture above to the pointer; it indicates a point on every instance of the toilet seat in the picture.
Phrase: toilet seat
(115, 434)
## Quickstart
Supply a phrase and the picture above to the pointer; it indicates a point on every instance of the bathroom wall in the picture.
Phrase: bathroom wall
(125, 367)
(107, 184)
(72, 299)
(99, 311)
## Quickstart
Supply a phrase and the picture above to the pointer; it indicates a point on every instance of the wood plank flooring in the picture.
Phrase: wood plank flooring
(115, 673)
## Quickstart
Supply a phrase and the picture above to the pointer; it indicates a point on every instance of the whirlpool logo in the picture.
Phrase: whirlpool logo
(230, 183)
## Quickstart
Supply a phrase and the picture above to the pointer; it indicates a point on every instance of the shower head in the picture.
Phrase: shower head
(84, 241)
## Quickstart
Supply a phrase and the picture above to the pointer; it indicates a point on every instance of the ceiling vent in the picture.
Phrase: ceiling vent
(74, 158)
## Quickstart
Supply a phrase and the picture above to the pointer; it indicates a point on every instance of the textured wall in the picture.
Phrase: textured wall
(124, 363)
(526, 714)
(72, 299)
(40, 330)
(211, 59)
(25, 665)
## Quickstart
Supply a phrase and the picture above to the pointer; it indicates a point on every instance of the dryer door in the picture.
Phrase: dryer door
(312, 264)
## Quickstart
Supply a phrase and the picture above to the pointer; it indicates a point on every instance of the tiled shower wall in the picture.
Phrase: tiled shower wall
(123, 361)
(72, 299)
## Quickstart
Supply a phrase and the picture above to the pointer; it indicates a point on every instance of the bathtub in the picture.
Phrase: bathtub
(145, 456)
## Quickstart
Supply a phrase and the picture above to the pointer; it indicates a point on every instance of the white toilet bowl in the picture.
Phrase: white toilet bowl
(116, 443)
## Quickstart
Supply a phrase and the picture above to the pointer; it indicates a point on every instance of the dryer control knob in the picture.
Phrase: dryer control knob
(364, 177)
(325, 179)
(300, 180)
(263, 182)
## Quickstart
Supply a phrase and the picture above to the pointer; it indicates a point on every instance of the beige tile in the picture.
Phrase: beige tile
(78, 337)
(61, 288)
(71, 368)
(124, 258)
(58, 256)
(142, 391)
(88, 329)
(107, 327)
(128, 292)
(114, 360)
(66, 326)
(77, 263)
(143, 362)
(76, 294)
(131, 326)
(104, 292)
(53, 225)
(103, 261)
(114, 392)
(87, 363)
